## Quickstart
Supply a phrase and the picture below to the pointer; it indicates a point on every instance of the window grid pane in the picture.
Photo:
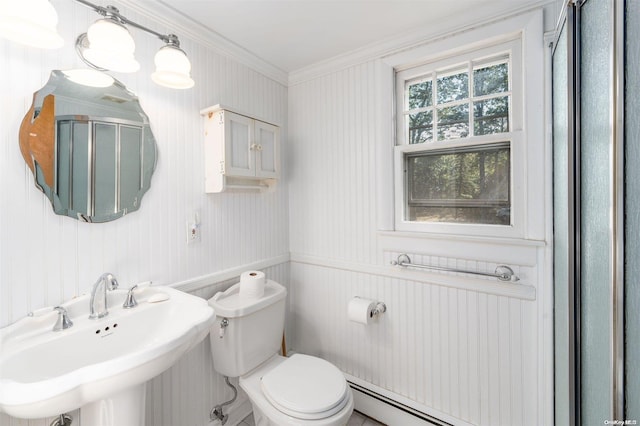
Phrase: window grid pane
(491, 79)
(452, 87)
(491, 116)
(420, 94)
(489, 99)
(420, 127)
(453, 122)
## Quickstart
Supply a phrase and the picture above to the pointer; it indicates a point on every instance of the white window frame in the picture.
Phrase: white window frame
(512, 49)
(527, 131)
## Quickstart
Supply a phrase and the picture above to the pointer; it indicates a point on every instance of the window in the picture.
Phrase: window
(466, 186)
(439, 103)
(455, 140)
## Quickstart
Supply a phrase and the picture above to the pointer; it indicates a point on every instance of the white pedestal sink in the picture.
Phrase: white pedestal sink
(100, 366)
(122, 409)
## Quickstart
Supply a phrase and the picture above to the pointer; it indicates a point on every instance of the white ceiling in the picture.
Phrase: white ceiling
(293, 34)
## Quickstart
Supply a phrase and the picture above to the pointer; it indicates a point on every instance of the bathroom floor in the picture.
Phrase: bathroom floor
(356, 419)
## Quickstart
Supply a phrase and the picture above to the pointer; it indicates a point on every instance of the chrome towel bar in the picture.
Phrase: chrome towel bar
(503, 272)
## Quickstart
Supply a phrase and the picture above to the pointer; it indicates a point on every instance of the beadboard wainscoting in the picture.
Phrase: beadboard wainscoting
(47, 259)
(461, 355)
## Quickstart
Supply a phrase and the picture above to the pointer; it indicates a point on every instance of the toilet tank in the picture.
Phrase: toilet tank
(253, 330)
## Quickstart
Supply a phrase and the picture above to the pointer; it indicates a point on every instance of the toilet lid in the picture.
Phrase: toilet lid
(306, 387)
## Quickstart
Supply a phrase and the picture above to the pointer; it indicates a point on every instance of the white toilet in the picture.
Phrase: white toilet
(300, 390)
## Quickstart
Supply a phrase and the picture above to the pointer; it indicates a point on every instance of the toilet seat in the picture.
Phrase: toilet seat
(306, 387)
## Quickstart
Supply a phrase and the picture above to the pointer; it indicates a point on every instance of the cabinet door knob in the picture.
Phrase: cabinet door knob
(259, 147)
(253, 147)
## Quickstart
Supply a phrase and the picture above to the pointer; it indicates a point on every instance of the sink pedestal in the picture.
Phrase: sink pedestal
(126, 408)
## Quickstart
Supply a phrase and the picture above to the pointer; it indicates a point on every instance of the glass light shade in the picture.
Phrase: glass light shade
(30, 22)
(111, 46)
(173, 68)
(89, 77)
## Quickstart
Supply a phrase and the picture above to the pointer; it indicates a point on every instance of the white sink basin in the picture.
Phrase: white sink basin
(45, 373)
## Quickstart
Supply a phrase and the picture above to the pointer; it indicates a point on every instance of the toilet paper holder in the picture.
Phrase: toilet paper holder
(380, 309)
(365, 311)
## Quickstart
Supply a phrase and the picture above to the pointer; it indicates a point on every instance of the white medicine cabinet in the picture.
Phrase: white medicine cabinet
(241, 152)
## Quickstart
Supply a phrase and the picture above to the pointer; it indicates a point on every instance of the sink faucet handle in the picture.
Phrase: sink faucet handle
(63, 319)
(130, 300)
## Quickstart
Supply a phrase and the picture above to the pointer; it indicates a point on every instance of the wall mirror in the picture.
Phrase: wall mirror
(91, 149)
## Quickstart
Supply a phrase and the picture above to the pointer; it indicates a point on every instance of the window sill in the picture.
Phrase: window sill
(463, 238)
(517, 251)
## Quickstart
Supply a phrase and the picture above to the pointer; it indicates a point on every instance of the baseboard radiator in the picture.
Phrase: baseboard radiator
(393, 409)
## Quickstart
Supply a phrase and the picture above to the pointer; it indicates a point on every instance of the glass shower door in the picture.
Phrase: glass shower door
(596, 237)
(592, 175)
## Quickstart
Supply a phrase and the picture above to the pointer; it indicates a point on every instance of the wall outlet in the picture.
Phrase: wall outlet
(193, 232)
(193, 229)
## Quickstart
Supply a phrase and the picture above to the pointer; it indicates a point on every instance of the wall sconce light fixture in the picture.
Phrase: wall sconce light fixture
(106, 46)
(30, 22)
(172, 65)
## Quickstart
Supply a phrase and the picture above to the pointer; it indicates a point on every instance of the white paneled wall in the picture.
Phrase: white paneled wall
(332, 129)
(47, 259)
(463, 355)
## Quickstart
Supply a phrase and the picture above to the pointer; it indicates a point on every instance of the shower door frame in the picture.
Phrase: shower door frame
(570, 18)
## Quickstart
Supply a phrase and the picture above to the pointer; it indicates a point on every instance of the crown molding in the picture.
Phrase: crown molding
(167, 16)
(164, 14)
(409, 40)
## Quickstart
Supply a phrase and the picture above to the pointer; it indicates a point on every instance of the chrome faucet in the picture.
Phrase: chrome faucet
(98, 306)
(63, 319)
(130, 301)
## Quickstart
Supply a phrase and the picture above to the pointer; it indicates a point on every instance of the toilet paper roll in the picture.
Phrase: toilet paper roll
(361, 310)
(252, 284)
